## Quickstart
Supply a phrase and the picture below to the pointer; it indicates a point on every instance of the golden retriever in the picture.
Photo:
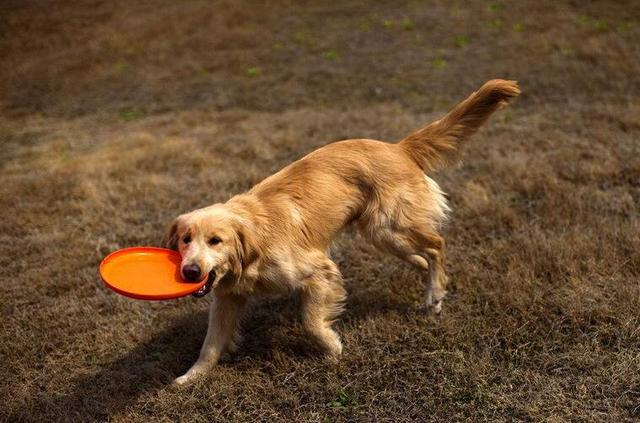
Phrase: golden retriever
(275, 238)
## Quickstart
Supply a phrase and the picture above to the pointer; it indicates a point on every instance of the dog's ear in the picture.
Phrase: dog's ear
(247, 250)
(170, 239)
(250, 248)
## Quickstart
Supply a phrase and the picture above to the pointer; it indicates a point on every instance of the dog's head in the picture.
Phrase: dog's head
(213, 241)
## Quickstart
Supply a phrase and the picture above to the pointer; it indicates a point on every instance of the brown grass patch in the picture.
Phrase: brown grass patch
(118, 116)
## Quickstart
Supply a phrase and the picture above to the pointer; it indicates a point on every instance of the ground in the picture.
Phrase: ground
(116, 116)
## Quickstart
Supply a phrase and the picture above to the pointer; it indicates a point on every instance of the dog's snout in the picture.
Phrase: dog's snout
(191, 272)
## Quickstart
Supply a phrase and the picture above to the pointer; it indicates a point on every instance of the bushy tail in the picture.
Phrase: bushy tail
(436, 145)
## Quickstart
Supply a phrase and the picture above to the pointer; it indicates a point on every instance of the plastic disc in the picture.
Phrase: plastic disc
(147, 273)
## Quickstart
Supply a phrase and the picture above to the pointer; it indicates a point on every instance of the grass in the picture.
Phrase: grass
(330, 55)
(388, 23)
(590, 22)
(541, 322)
(461, 41)
(407, 24)
(343, 399)
(496, 23)
(253, 71)
(494, 7)
(439, 63)
(129, 115)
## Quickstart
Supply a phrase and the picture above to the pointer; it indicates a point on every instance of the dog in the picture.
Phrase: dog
(275, 237)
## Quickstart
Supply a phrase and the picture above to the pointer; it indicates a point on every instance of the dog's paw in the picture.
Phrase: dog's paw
(182, 380)
(186, 378)
(434, 302)
(435, 308)
(333, 347)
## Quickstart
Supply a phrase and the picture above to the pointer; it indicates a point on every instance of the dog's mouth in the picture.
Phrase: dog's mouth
(206, 288)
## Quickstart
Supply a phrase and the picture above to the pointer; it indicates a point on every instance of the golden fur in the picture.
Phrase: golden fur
(275, 237)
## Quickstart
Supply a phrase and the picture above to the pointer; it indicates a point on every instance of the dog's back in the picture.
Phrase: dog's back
(370, 182)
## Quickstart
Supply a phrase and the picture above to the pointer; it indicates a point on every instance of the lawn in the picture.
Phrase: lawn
(117, 116)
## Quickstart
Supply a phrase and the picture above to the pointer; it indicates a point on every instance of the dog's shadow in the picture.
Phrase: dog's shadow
(150, 366)
(272, 327)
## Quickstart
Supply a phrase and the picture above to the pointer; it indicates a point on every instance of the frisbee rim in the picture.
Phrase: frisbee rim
(150, 297)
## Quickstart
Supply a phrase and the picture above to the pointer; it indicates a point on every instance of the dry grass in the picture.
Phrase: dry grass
(116, 116)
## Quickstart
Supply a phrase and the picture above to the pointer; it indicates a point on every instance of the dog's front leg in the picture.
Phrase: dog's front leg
(322, 301)
(224, 315)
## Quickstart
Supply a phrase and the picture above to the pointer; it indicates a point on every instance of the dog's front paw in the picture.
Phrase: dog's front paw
(186, 378)
(182, 380)
(435, 307)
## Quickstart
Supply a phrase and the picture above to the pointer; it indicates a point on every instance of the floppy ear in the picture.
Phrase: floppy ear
(250, 248)
(247, 250)
(170, 239)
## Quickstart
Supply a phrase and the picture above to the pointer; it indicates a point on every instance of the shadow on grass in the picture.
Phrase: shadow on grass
(148, 367)
(271, 327)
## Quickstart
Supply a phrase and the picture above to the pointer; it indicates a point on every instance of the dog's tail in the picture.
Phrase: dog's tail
(436, 145)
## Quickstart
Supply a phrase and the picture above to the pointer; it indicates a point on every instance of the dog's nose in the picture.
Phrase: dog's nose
(191, 272)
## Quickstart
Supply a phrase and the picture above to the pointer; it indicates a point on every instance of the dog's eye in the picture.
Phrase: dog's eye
(186, 239)
(215, 240)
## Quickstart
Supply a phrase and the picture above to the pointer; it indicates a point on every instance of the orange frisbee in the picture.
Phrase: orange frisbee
(147, 273)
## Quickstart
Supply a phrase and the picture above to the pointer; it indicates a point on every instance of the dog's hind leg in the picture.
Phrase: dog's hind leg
(423, 248)
(322, 301)
(432, 260)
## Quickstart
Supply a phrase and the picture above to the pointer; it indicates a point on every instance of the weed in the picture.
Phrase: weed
(496, 23)
(600, 25)
(343, 399)
(120, 66)
(129, 115)
(439, 63)
(330, 55)
(253, 71)
(590, 22)
(461, 41)
(624, 26)
(407, 24)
